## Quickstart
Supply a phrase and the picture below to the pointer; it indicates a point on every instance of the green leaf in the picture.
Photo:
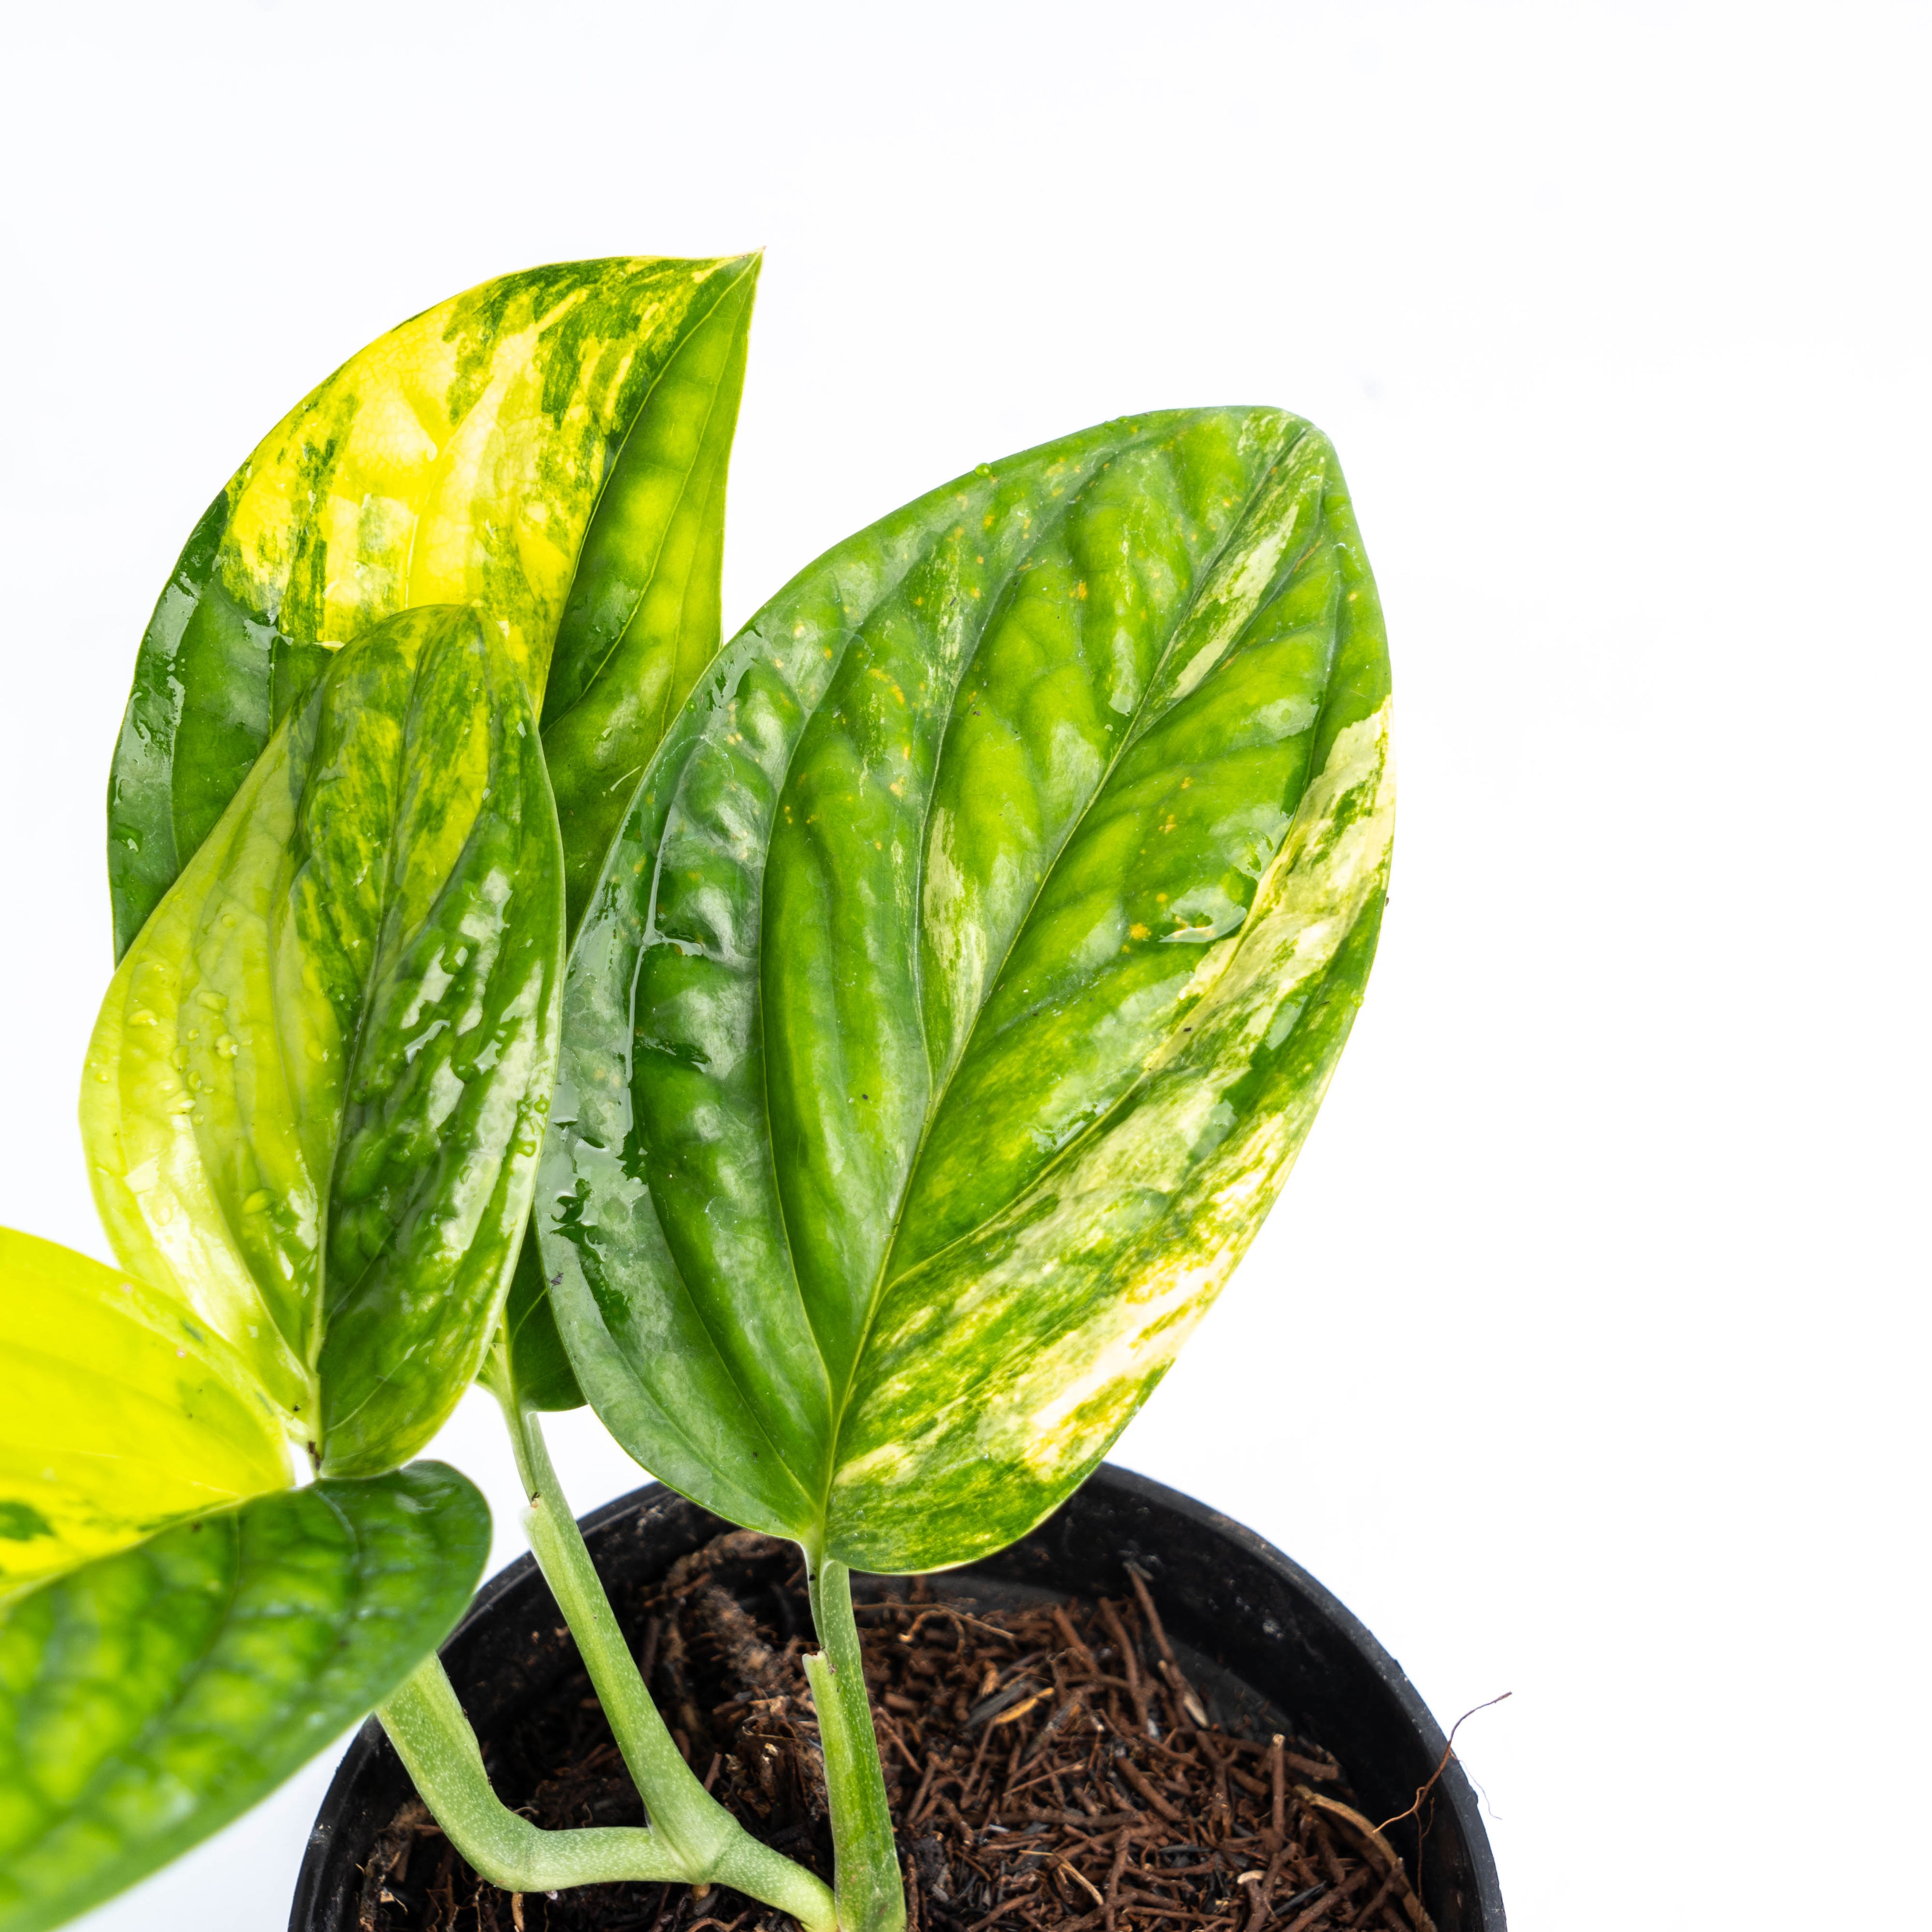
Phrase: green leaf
(540, 1370)
(315, 1094)
(466, 457)
(965, 978)
(119, 1413)
(149, 1698)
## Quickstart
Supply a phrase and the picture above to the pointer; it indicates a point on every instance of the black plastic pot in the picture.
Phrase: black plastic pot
(1252, 1629)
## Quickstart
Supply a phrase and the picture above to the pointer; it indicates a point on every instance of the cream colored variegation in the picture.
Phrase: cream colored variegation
(1046, 1414)
(1283, 523)
(976, 954)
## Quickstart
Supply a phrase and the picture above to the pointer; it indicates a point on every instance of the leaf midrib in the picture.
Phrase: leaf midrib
(943, 1085)
(352, 1060)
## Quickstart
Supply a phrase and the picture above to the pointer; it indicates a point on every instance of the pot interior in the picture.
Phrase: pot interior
(1265, 1646)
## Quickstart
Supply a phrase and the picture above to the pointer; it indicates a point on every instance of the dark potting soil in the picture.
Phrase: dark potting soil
(1050, 1769)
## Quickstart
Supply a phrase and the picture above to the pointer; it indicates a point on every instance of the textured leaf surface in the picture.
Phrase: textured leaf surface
(119, 1413)
(314, 1096)
(466, 457)
(964, 980)
(149, 1697)
(641, 623)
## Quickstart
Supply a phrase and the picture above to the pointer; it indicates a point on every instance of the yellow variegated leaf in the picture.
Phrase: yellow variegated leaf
(119, 1413)
(150, 1695)
(465, 457)
(315, 1092)
(456, 460)
(969, 969)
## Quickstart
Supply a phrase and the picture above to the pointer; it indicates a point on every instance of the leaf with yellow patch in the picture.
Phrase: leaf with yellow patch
(150, 1695)
(315, 1093)
(550, 447)
(119, 1413)
(964, 980)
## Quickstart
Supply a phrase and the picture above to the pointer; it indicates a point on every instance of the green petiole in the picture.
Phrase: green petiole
(691, 1838)
(680, 1807)
(871, 1896)
(433, 1738)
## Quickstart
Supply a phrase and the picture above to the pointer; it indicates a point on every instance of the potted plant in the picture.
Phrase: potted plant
(852, 1059)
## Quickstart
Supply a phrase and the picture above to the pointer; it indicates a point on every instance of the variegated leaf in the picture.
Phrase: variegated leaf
(151, 1696)
(119, 1413)
(550, 447)
(315, 1093)
(964, 980)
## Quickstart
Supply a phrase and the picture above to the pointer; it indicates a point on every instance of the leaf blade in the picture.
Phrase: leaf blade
(120, 1414)
(1163, 1196)
(931, 875)
(314, 1096)
(459, 458)
(150, 1697)
(643, 618)
(641, 625)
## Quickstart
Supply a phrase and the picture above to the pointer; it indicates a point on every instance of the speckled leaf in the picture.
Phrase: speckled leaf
(150, 1697)
(119, 1413)
(315, 1093)
(965, 978)
(468, 456)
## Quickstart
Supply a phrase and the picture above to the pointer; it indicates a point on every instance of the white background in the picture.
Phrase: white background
(1584, 1355)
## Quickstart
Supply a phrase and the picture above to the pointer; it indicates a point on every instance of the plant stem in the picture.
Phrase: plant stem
(433, 1738)
(712, 1846)
(871, 1896)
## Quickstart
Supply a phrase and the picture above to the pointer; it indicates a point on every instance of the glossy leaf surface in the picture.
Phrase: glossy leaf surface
(315, 1094)
(150, 1697)
(965, 979)
(119, 1413)
(641, 623)
(466, 457)
(540, 1370)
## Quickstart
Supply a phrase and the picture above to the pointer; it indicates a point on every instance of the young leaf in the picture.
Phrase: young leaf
(461, 458)
(315, 1093)
(150, 1697)
(119, 1413)
(964, 980)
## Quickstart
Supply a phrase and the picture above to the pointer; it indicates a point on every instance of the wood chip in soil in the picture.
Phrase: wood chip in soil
(1050, 1769)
